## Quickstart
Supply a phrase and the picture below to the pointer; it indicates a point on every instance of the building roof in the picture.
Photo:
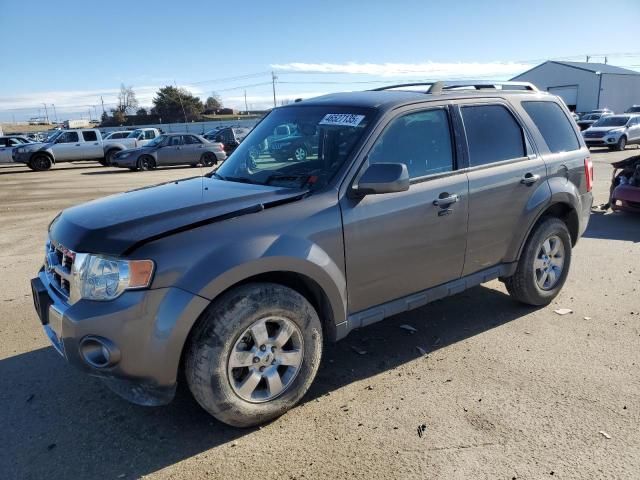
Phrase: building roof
(598, 67)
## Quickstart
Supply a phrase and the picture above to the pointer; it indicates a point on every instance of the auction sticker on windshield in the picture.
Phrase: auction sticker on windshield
(343, 119)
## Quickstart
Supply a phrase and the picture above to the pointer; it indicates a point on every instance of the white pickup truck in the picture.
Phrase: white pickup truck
(137, 138)
(63, 146)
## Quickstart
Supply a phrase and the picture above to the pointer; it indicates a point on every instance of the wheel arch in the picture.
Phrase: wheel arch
(46, 153)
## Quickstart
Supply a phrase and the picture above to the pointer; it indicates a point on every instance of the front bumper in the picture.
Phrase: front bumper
(126, 162)
(23, 157)
(148, 328)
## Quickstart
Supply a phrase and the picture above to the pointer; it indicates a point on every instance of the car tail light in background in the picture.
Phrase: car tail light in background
(219, 145)
(588, 172)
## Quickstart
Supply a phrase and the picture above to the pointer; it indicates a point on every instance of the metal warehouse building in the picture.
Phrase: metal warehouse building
(587, 86)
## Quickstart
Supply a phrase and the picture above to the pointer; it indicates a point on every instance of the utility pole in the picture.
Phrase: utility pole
(46, 113)
(95, 109)
(55, 114)
(273, 83)
(588, 57)
(89, 114)
(182, 105)
(605, 60)
(101, 100)
(246, 108)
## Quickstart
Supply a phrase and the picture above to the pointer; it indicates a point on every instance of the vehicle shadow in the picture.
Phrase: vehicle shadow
(60, 423)
(126, 170)
(10, 169)
(614, 226)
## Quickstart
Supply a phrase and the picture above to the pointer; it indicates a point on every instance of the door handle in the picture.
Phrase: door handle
(444, 200)
(529, 179)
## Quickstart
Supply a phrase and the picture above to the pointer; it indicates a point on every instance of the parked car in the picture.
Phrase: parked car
(116, 135)
(230, 137)
(625, 186)
(7, 144)
(62, 146)
(614, 131)
(135, 139)
(590, 118)
(298, 145)
(238, 277)
(171, 149)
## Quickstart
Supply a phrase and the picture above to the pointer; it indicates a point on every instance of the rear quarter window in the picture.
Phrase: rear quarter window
(554, 126)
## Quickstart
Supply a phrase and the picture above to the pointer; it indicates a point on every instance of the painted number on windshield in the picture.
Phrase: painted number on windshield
(344, 119)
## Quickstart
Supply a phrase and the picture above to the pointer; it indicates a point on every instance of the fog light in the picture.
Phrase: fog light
(99, 352)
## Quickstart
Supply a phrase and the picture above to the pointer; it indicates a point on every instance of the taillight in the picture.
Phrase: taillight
(588, 173)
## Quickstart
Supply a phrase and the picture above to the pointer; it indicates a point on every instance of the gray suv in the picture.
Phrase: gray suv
(237, 278)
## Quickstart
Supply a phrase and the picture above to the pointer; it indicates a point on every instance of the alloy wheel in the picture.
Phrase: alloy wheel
(549, 263)
(266, 359)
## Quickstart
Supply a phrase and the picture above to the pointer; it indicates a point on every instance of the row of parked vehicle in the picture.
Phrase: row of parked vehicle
(140, 149)
(604, 128)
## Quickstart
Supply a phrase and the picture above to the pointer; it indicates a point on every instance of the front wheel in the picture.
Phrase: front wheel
(300, 154)
(543, 265)
(146, 162)
(208, 159)
(622, 143)
(253, 354)
(40, 163)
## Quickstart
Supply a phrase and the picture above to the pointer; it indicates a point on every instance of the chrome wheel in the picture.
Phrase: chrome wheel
(265, 359)
(549, 263)
(300, 154)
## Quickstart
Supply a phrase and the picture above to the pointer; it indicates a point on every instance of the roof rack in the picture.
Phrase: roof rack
(441, 86)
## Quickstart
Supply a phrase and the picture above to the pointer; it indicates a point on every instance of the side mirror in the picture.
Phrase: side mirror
(383, 178)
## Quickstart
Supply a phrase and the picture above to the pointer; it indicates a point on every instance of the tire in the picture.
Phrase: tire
(146, 162)
(300, 153)
(108, 157)
(40, 162)
(208, 159)
(622, 143)
(224, 328)
(529, 284)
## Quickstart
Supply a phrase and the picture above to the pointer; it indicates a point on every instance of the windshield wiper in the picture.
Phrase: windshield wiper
(234, 179)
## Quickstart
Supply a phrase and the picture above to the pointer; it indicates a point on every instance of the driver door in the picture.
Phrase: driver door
(397, 244)
(172, 153)
(67, 147)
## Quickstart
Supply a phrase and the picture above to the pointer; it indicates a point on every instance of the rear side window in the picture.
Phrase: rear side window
(493, 134)
(555, 127)
(89, 136)
(422, 141)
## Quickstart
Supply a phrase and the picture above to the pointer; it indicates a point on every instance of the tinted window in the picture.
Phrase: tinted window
(149, 135)
(90, 136)
(422, 141)
(13, 142)
(191, 139)
(3, 142)
(175, 140)
(493, 134)
(554, 126)
(68, 137)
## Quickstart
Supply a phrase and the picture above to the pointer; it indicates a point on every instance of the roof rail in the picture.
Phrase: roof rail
(440, 86)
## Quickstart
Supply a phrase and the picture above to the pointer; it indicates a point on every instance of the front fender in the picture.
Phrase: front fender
(229, 265)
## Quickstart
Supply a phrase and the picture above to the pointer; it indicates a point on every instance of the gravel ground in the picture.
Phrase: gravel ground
(505, 391)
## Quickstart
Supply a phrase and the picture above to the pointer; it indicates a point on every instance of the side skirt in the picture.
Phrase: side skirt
(419, 299)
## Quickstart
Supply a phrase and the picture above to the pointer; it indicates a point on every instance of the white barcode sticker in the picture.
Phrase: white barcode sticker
(344, 119)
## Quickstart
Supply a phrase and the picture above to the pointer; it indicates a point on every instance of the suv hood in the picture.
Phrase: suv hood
(604, 129)
(117, 224)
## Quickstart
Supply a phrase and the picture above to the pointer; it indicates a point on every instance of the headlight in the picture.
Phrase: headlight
(615, 131)
(104, 278)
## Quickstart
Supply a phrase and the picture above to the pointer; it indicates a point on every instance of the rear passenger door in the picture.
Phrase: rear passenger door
(505, 176)
(192, 149)
(401, 243)
(91, 147)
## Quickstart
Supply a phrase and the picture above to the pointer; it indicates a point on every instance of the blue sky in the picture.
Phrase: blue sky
(70, 55)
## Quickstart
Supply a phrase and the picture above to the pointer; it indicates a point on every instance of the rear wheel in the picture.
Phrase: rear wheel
(40, 162)
(543, 265)
(108, 157)
(300, 154)
(208, 159)
(146, 162)
(254, 354)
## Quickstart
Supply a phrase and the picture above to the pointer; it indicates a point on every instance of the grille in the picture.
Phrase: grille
(58, 264)
(594, 134)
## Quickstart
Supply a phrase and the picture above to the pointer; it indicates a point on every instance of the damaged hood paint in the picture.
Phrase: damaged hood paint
(114, 225)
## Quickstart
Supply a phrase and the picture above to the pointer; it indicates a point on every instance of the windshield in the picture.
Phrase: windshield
(611, 122)
(593, 116)
(156, 141)
(322, 139)
(134, 134)
(53, 136)
(634, 109)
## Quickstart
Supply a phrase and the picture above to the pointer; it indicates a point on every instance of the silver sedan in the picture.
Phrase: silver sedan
(171, 149)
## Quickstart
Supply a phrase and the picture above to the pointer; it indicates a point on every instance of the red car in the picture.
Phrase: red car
(625, 188)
